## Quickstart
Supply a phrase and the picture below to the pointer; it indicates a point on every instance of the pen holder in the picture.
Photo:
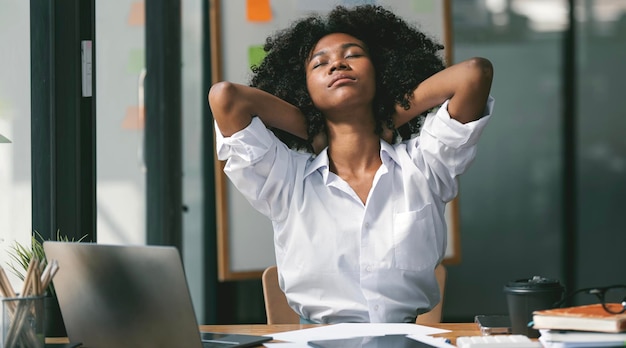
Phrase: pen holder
(22, 322)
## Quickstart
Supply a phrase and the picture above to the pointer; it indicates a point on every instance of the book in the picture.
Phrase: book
(581, 339)
(581, 336)
(557, 344)
(583, 318)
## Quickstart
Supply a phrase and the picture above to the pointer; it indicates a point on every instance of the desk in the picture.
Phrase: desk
(457, 330)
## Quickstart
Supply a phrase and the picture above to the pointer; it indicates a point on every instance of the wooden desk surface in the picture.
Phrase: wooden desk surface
(457, 330)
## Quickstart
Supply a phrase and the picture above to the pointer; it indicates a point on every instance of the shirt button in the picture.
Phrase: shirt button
(376, 307)
(368, 268)
(367, 225)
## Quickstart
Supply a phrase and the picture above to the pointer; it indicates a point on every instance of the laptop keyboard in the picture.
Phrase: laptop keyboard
(497, 341)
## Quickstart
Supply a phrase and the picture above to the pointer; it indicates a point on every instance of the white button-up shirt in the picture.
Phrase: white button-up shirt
(340, 260)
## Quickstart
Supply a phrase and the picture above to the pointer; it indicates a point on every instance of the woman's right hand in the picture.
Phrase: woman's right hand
(233, 106)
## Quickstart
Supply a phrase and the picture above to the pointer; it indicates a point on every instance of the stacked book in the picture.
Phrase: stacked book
(581, 326)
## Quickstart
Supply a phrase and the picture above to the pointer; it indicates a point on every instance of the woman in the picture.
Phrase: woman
(358, 220)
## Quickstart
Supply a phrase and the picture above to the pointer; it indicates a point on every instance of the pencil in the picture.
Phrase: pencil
(20, 309)
(5, 284)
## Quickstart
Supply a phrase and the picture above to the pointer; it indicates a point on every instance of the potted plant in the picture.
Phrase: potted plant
(20, 257)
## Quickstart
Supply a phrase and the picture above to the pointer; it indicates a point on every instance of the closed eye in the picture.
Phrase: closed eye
(318, 64)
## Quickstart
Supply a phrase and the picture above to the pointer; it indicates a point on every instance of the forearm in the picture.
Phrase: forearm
(234, 105)
(466, 84)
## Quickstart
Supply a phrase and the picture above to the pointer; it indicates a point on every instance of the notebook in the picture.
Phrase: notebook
(130, 296)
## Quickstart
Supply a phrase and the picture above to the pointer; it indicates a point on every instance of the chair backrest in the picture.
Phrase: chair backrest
(279, 312)
(276, 307)
(435, 314)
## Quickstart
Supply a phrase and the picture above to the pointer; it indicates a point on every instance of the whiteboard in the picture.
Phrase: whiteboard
(245, 237)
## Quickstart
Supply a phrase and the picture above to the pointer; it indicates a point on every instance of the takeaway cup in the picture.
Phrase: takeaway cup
(527, 295)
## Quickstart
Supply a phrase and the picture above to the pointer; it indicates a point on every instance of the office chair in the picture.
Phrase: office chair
(276, 307)
(278, 311)
(435, 314)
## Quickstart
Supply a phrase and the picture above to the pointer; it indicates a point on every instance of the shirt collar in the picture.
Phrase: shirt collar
(387, 151)
(318, 162)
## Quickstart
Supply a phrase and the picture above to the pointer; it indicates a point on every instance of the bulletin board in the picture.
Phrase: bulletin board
(238, 32)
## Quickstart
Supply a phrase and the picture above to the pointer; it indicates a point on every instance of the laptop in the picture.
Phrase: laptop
(130, 296)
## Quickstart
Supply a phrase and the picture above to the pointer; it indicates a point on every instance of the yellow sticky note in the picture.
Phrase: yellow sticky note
(258, 10)
(256, 54)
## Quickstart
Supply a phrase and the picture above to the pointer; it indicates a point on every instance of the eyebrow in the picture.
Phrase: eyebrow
(343, 46)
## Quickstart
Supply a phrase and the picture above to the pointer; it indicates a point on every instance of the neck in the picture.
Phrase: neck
(353, 149)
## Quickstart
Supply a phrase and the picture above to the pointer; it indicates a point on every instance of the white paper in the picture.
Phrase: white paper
(348, 330)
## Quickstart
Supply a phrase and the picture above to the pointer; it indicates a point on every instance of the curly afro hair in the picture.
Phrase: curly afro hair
(402, 56)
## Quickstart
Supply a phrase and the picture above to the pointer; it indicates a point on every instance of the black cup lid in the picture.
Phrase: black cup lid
(536, 283)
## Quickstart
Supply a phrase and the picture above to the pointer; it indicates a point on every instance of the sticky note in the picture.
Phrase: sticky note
(256, 54)
(423, 6)
(258, 10)
(137, 15)
(136, 61)
(134, 118)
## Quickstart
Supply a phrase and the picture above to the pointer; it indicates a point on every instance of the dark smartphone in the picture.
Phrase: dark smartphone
(493, 324)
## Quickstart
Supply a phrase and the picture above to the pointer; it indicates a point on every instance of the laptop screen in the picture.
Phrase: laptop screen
(123, 295)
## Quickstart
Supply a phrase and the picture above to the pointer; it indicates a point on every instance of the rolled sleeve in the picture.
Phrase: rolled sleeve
(259, 166)
(453, 133)
(246, 146)
(446, 148)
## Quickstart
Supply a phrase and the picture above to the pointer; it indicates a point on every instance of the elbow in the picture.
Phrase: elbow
(225, 102)
(473, 90)
(221, 98)
(481, 72)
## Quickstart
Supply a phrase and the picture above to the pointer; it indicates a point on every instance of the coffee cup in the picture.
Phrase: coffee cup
(524, 296)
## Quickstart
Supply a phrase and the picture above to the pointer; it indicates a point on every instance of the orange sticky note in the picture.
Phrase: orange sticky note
(137, 16)
(258, 10)
(134, 117)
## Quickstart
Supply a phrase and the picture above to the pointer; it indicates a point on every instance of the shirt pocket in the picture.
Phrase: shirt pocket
(414, 243)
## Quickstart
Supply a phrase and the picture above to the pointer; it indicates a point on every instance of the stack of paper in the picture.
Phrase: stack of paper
(566, 339)
(581, 326)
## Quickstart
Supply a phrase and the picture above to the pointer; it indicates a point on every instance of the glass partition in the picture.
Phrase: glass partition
(121, 176)
(15, 157)
(510, 199)
(600, 141)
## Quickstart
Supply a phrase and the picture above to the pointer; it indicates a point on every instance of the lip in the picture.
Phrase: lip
(340, 77)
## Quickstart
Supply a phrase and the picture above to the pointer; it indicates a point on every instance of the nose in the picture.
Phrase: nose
(338, 64)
